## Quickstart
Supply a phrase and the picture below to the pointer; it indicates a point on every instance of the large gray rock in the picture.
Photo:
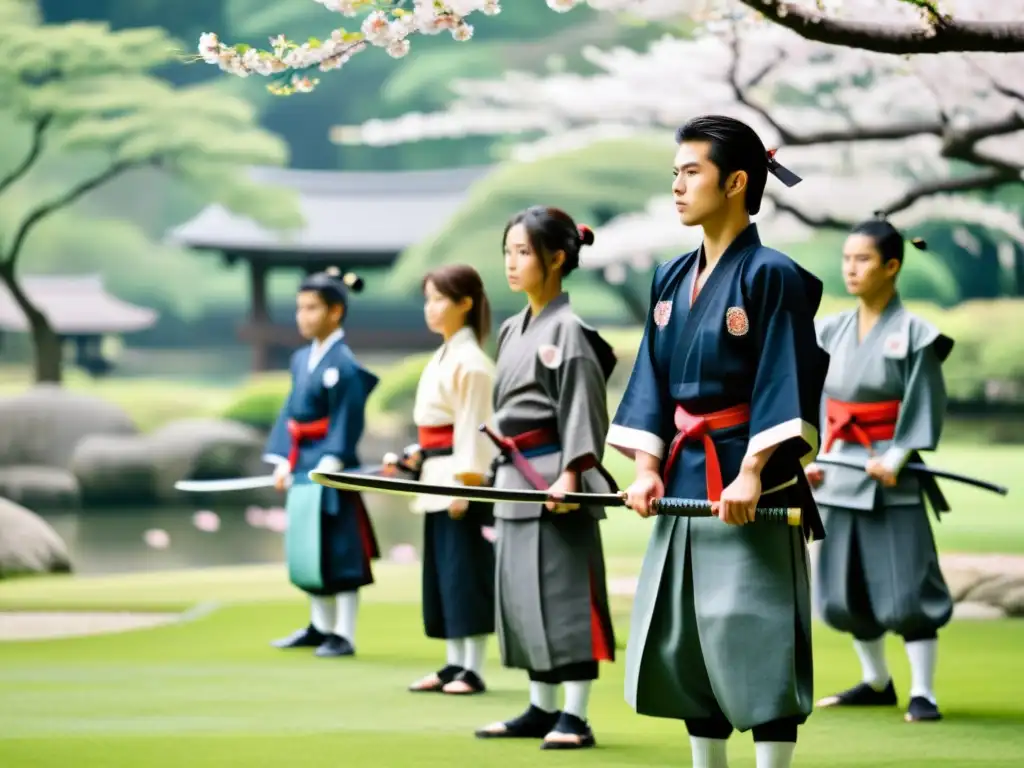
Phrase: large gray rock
(142, 469)
(205, 448)
(28, 544)
(39, 487)
(115, 469)
(993, 580)
(44, 425)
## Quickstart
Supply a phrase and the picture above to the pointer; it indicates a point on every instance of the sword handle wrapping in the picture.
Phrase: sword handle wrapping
(697, 508)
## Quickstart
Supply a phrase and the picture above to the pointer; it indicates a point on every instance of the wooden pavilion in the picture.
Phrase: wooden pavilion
(353, 220)
(81, 312)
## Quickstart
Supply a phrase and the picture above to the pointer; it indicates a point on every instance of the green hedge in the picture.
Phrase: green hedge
(259, 401)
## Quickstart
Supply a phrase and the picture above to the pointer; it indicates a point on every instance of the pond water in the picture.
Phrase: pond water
(107, 541)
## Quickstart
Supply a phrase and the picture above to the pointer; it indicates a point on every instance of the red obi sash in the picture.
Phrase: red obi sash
(863, 423)
(300, 431)
(439, 438)
(694, 427)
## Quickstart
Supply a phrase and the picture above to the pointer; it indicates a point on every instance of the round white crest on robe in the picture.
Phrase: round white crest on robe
(895, 345)
(550, 355)
(330, 377)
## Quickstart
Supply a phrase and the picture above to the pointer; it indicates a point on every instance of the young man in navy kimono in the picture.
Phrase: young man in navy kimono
(723, 404)
(330, 541)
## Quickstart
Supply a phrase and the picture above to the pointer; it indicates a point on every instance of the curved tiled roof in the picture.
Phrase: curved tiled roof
(372, 214)
(74, 305)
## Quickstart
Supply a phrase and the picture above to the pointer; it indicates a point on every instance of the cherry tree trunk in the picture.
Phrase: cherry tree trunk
(46, 344)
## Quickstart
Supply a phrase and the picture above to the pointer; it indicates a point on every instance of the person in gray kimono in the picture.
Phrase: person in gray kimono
(883, 402)
(551, 417)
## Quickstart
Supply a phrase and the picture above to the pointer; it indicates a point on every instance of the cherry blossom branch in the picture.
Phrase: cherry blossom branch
(957, 144)
(388, 24)
(987, 179)
(940, 33)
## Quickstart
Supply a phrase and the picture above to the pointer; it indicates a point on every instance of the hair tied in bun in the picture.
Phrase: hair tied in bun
(586, 234)
(353, 281)
(919, 243)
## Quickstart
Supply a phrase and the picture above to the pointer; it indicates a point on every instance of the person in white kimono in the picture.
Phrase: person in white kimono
(452, 400)
(884, 400)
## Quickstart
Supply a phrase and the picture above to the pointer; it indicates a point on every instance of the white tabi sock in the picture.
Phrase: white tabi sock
(455, 652)
(348, 609)
(322, 613)
(872, 662)
(473, 656)
(542, 696)
(774, 754)
(577, 697)
(708, 753)
(921, 654)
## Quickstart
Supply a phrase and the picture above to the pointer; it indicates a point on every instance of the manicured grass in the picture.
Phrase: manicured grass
(210, 693)
(979, 521)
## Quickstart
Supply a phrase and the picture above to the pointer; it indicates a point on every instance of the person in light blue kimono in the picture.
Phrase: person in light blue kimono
(330, 541)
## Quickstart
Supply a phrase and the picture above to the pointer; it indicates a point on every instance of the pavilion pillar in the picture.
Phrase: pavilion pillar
(259, 316)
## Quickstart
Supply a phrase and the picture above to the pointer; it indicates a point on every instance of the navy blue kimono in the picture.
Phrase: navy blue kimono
(737, 372)
(330, 540)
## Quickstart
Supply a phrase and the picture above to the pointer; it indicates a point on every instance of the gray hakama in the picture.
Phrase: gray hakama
(878, 569)
(552, 604)
(721, 629)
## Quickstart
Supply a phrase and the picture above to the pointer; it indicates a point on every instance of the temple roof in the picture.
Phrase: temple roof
(370, 215)
(74, 305)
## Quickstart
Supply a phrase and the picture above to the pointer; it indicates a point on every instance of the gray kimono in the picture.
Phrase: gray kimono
(552, 604)
(878, 570)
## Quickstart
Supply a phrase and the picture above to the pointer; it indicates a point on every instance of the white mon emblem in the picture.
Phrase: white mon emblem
(550, 356)
(330, 377)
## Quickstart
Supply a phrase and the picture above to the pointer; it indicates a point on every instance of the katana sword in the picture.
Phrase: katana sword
(242, 483)
(225, 484)
(842, 461)
(351, 481)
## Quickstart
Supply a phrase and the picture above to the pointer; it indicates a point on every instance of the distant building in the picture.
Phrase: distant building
(353, 220)
(81, 312)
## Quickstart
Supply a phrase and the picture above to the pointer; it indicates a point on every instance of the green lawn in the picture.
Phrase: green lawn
(209, 692)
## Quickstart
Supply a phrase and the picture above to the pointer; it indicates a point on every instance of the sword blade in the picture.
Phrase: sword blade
(351, 481)
(842, 461)
(227, 484)
(247, 483)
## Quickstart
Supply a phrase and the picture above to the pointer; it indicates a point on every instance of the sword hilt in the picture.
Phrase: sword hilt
(676, 507)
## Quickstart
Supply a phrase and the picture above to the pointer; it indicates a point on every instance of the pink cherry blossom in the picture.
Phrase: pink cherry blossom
(157, 538)
(206, 521)
(403, 553)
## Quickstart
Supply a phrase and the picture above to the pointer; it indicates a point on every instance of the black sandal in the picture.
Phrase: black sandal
(472, 680)
(862, 695)
(922, 710)
(534, 723)
(570, 725)
(444, 676)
